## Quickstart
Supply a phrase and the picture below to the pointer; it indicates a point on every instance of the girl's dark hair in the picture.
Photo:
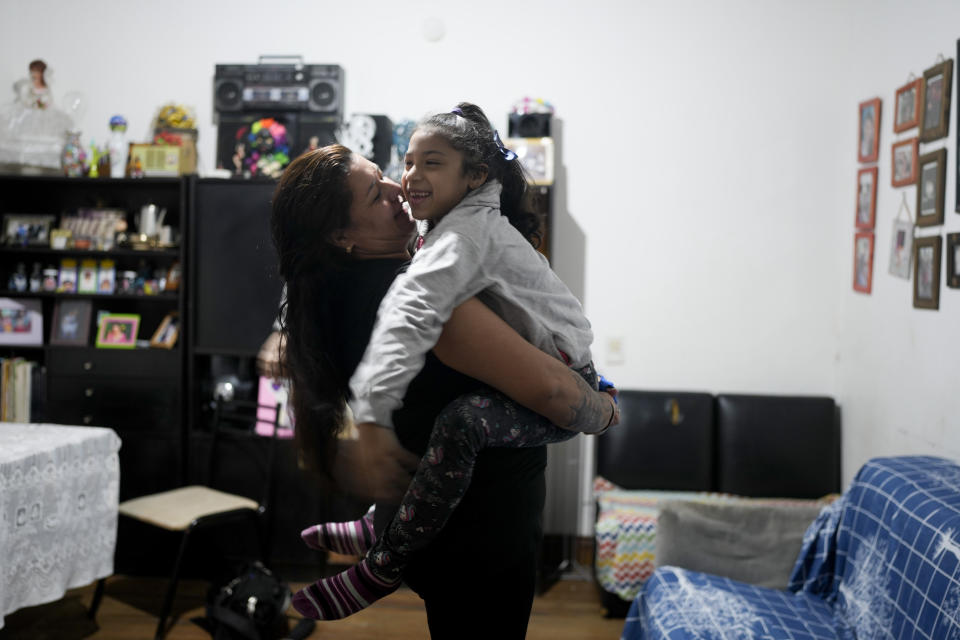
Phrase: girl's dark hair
(311, 205)
(469, 132)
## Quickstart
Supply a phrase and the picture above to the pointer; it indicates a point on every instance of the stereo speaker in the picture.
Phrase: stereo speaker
(316, 88)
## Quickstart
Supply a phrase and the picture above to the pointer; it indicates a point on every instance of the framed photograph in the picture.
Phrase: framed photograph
(165, 337)
(953, 260)
(935, 118)
(21, 321)
(926, 273)
(931, 174)
(536, 156)
(869, 146)
(118, 331)
(71, 322)
(27, 229)
(901, 249)
(866, 198)
(904, 163)
(863, 262)
(909, 100)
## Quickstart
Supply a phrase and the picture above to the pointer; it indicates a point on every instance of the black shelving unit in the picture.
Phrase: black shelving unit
(137, 392)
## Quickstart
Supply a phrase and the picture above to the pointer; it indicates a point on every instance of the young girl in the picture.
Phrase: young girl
(460, 179)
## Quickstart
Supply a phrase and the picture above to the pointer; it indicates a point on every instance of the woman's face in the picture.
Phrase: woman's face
(379, 227)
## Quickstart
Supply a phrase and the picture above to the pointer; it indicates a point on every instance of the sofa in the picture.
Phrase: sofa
(883, 561)
(701, 459)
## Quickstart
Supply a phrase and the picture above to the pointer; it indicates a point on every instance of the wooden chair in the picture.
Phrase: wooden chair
(194, 507)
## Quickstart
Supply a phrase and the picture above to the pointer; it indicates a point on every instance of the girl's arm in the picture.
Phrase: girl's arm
(478, 343)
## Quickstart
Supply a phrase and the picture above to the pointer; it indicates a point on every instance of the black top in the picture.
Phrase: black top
(498, 522)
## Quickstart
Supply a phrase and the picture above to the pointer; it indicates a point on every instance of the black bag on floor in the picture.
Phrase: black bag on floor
(252, 606)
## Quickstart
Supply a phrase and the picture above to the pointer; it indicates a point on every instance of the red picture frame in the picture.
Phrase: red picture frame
(866, 210)
(868, 142)
(908, 106)
(903, 162)
(863, 262)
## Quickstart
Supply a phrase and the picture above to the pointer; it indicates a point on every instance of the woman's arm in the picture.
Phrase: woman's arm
(478, 343)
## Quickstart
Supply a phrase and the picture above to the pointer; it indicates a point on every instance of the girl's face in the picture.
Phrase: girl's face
(379, 227)
(433, 179)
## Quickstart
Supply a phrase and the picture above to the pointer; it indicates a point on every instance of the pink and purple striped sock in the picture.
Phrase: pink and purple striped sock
(343, 594)
(352, 538)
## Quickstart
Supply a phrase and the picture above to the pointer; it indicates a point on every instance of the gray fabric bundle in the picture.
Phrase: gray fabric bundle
(757, 544)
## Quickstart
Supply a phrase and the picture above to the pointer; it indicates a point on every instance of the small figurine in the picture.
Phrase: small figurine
(31, 128)
(118, 146)
(18, 280)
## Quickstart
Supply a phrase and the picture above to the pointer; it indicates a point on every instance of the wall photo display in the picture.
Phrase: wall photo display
(869, 139)
(908, 103)
(903, 159)
(935, 118)
(953, 260)
(863, 262)
(901, 249)
(926, 273)
(931, 175)
(866, 198)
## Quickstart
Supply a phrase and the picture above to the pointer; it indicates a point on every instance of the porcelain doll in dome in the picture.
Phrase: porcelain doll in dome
(32, 130)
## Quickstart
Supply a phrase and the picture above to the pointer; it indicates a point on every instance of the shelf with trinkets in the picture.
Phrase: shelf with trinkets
(83, 255)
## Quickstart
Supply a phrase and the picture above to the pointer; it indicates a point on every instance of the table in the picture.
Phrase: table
(59, 488)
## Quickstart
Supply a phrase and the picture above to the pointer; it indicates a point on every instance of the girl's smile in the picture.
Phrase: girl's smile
(433, 178)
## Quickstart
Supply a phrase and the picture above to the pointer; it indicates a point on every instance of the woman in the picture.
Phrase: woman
(341, 235)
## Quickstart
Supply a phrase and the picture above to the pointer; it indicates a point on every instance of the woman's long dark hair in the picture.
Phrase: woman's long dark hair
(469, 132)
(311, 206)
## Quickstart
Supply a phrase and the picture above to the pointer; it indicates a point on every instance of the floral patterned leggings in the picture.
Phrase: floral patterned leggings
(470, 423)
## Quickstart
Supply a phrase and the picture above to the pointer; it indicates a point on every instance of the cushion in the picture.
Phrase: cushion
(677, 604)
(749, 542)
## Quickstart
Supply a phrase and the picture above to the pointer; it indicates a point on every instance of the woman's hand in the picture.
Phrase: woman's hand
(270, 357)
(386, 467)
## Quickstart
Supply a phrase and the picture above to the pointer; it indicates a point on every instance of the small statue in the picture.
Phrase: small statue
(118, 146)
(31, 129)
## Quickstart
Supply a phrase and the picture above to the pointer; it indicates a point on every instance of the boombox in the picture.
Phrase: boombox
(316, 88)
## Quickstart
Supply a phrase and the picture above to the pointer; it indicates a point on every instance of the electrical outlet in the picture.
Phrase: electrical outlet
(615, 355)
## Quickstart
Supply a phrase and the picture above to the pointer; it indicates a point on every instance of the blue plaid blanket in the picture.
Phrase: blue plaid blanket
(881, 562)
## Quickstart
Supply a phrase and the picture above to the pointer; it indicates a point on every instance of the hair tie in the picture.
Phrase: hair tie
(507, 154)
(457, 111)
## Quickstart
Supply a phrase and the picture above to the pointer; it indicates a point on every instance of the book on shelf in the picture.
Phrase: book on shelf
(16, 389)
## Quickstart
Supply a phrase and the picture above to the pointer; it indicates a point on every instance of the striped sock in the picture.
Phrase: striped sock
(343, 594)
(349, 538)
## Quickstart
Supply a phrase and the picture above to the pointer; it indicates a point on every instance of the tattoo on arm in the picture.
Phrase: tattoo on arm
(590, 412)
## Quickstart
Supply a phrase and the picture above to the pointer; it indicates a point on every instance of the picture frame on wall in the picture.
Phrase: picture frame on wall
(926, 273)
(869, 139)
(863, 261)
(866, 198)
(953, 260)
(956, 206)
(903, 161)
(71, 322)
(908, 102)
(901, 249)
(931, 174)
(935, 116)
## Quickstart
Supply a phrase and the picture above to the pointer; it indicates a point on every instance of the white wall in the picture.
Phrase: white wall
(709, 151)
(898, 367)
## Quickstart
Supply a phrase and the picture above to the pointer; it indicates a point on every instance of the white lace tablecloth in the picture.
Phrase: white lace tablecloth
(59, 489)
